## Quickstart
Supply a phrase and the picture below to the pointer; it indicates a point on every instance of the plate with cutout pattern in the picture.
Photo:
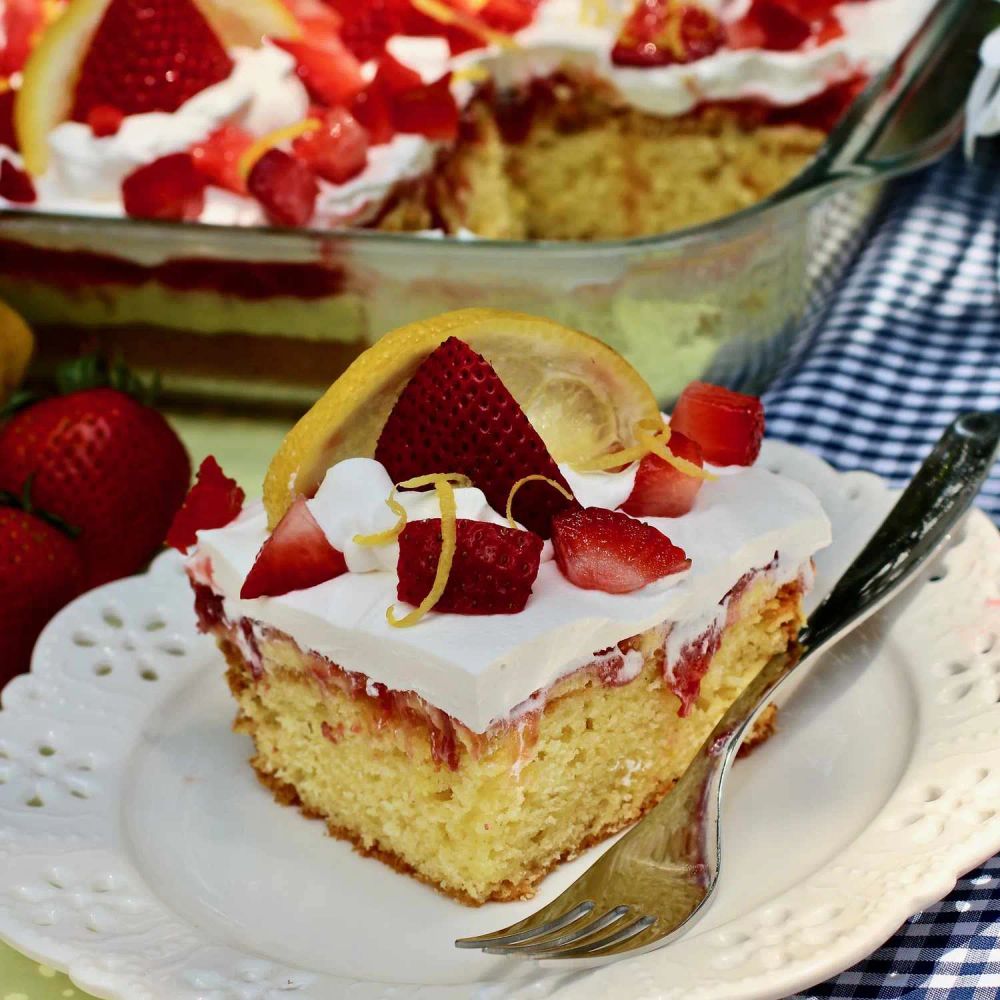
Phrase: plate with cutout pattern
(139, 854)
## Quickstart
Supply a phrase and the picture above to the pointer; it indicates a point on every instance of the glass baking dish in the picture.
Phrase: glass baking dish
(273, 316)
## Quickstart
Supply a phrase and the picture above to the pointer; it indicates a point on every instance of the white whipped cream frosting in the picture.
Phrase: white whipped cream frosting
(263, 93)
(479, 668)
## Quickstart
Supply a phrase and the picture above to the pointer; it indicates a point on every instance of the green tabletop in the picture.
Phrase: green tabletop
(243, 447)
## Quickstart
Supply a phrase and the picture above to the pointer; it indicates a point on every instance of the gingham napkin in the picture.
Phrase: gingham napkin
(910, 339)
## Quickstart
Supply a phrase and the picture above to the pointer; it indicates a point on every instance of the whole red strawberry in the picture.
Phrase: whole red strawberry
(40, 571)
(105, 463)
(148, 55)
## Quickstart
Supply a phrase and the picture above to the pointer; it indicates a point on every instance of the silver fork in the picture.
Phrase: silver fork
(659, 877)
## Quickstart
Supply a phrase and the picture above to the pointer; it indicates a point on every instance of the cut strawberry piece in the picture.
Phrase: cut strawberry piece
(660, 490)
(455, 415)
(428, 110)
(371, 109)
(508, 15)
(665, 32)
(296, 556)
(212, 502)
(104, 119)
(338, 150)
(8, 134)
(21, 22)
(330, 72)
(396, 77)
(492, 572)
(168, 188)
(218, 157)
(770, 24)
(148, 55)
(728, 426)
(368, 26)
(285, 187)
(15, 184)
(598, 549)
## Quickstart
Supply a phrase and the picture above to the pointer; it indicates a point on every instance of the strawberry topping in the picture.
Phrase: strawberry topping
(104, 119)
(168, 188)
(368, 26)
(15, 184)
(492, 572)
(428, 110)
(785, 25)
(212, 502)
(285, 187)
(599, 549)
(148, 55)
(660, 490)
(663, 32)
(455, 415)
(8, 134)
(218, 155)
(327, 68)
(296, 556)
(728, 426)
(336, 151)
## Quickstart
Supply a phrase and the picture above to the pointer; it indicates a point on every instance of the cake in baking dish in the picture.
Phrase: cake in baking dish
(554, 119)
(493, 602)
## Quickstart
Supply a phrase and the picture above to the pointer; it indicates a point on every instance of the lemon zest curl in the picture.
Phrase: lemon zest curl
(536, 477)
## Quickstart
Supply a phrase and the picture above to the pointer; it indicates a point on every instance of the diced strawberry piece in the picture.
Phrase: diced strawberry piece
(15, 184)
(664, 32)
(218, 157)
(598, 549)
(295, 557)
(285, 187)
(148, 55)
(8, 135)
(371, 109)
(212, 502)
(104, 119)
(455, 415)
(660, 490)
(330, 72)
(368, 26)
(336, 151)
(316, 17)
(427, 110)
(770, 24)
(168, 188)
(508, 15)
(396, 77)
(728, 426)
(492, 572)
(21, 21)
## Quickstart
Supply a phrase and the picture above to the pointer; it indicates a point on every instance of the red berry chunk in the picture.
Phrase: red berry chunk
(212, 502)
(285, 187)
(780, 25)
(336, 151)
(330, 72)
(598, 549)
(104, 119)
(427, 110)
(664, 32)
(8, 136)
(368, 26)
(148, 56)
(492, 572)
(15, 184)
(218, 157)
(455, 415)
(296, 556)
(728, 426)
(660, 490)
(168, 188)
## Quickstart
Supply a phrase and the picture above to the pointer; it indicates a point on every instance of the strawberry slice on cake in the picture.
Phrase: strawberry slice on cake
(419, 667)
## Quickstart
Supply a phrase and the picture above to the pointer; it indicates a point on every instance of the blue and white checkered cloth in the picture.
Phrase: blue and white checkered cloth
(911, 339)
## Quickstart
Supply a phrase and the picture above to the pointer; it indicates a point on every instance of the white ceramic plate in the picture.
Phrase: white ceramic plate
(138, 853)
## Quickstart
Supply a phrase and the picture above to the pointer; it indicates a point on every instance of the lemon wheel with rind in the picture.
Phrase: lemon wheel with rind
(580, 395)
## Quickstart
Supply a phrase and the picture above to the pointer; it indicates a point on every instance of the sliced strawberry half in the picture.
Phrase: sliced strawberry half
(492, 572)
(729, 426)
(598, 549)
(455, 415)
(296, 556)
(15, 184)
(661, 490)
(338, 149)
(771, 24)
(664, 32)
(148, 55)
(285, 187)
(218, 157)
(212, 502)
(169, 188)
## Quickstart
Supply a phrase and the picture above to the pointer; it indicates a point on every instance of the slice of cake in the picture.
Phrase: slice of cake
(493, 602)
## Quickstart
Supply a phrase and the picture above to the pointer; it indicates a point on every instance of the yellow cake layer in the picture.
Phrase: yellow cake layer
(522, 798)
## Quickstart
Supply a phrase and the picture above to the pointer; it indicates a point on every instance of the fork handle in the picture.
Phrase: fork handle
(938, 495)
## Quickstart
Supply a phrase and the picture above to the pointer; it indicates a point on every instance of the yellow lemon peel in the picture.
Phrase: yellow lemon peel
(449, 535)
(653, 438)
(433, 478)
(537, 478)
(444, 14)
(390, 534)
(284, 134)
